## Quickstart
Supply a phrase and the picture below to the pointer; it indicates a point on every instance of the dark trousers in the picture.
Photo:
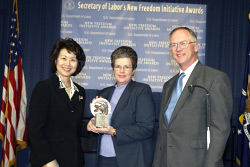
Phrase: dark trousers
(107, 161)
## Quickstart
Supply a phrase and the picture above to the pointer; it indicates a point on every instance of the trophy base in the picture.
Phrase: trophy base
(101, 120)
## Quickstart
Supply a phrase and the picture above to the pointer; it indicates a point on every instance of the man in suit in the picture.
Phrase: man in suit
(183, 136)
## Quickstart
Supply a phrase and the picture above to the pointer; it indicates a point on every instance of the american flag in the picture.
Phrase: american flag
(243, 147)
(13, 113)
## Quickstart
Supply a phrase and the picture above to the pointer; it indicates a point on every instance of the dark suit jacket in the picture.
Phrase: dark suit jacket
(182, 142)
(55, 124)
(133, 119)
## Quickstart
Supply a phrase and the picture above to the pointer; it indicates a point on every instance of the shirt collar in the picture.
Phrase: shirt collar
(61, 84)
(189, 70)
(123, 86)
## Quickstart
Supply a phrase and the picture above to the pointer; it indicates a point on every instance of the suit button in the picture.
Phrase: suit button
(169, 131)
(72, 111)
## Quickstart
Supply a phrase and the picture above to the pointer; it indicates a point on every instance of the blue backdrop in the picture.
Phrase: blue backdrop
(227, 33)
(102, 26)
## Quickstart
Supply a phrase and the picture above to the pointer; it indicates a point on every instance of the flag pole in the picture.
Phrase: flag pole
(18, 28)
(13, 113)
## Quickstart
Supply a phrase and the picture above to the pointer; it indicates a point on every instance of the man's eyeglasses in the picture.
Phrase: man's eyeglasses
(119, 68)
(183, 45)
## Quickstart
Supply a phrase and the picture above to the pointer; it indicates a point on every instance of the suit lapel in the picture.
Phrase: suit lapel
(61, 92)
(185, 93)
(75, 98)
(110, 93)
(167, 94)
(123, 101)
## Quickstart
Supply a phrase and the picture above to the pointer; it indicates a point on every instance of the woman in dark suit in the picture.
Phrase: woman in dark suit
(55, 121)
(127, 141)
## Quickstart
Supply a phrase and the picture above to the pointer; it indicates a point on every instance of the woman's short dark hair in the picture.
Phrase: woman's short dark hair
(124, 52)
(71, 46)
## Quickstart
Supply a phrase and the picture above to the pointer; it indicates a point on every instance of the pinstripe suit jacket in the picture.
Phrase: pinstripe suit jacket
(182, 141)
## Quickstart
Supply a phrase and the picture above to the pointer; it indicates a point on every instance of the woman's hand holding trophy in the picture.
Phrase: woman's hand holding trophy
(100, 108)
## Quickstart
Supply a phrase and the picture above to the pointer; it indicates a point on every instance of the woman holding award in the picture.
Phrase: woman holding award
(56, 111)
(127, 140)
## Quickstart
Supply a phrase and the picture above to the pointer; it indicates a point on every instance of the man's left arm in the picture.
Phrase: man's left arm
(221, 102)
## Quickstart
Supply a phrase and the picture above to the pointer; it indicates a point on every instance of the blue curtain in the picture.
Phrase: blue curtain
(226, 46)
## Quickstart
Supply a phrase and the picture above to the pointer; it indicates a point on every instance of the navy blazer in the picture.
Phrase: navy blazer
(133, 118)
(55, 124)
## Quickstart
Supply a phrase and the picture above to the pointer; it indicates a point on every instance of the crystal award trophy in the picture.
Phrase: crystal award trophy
(101, 109)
